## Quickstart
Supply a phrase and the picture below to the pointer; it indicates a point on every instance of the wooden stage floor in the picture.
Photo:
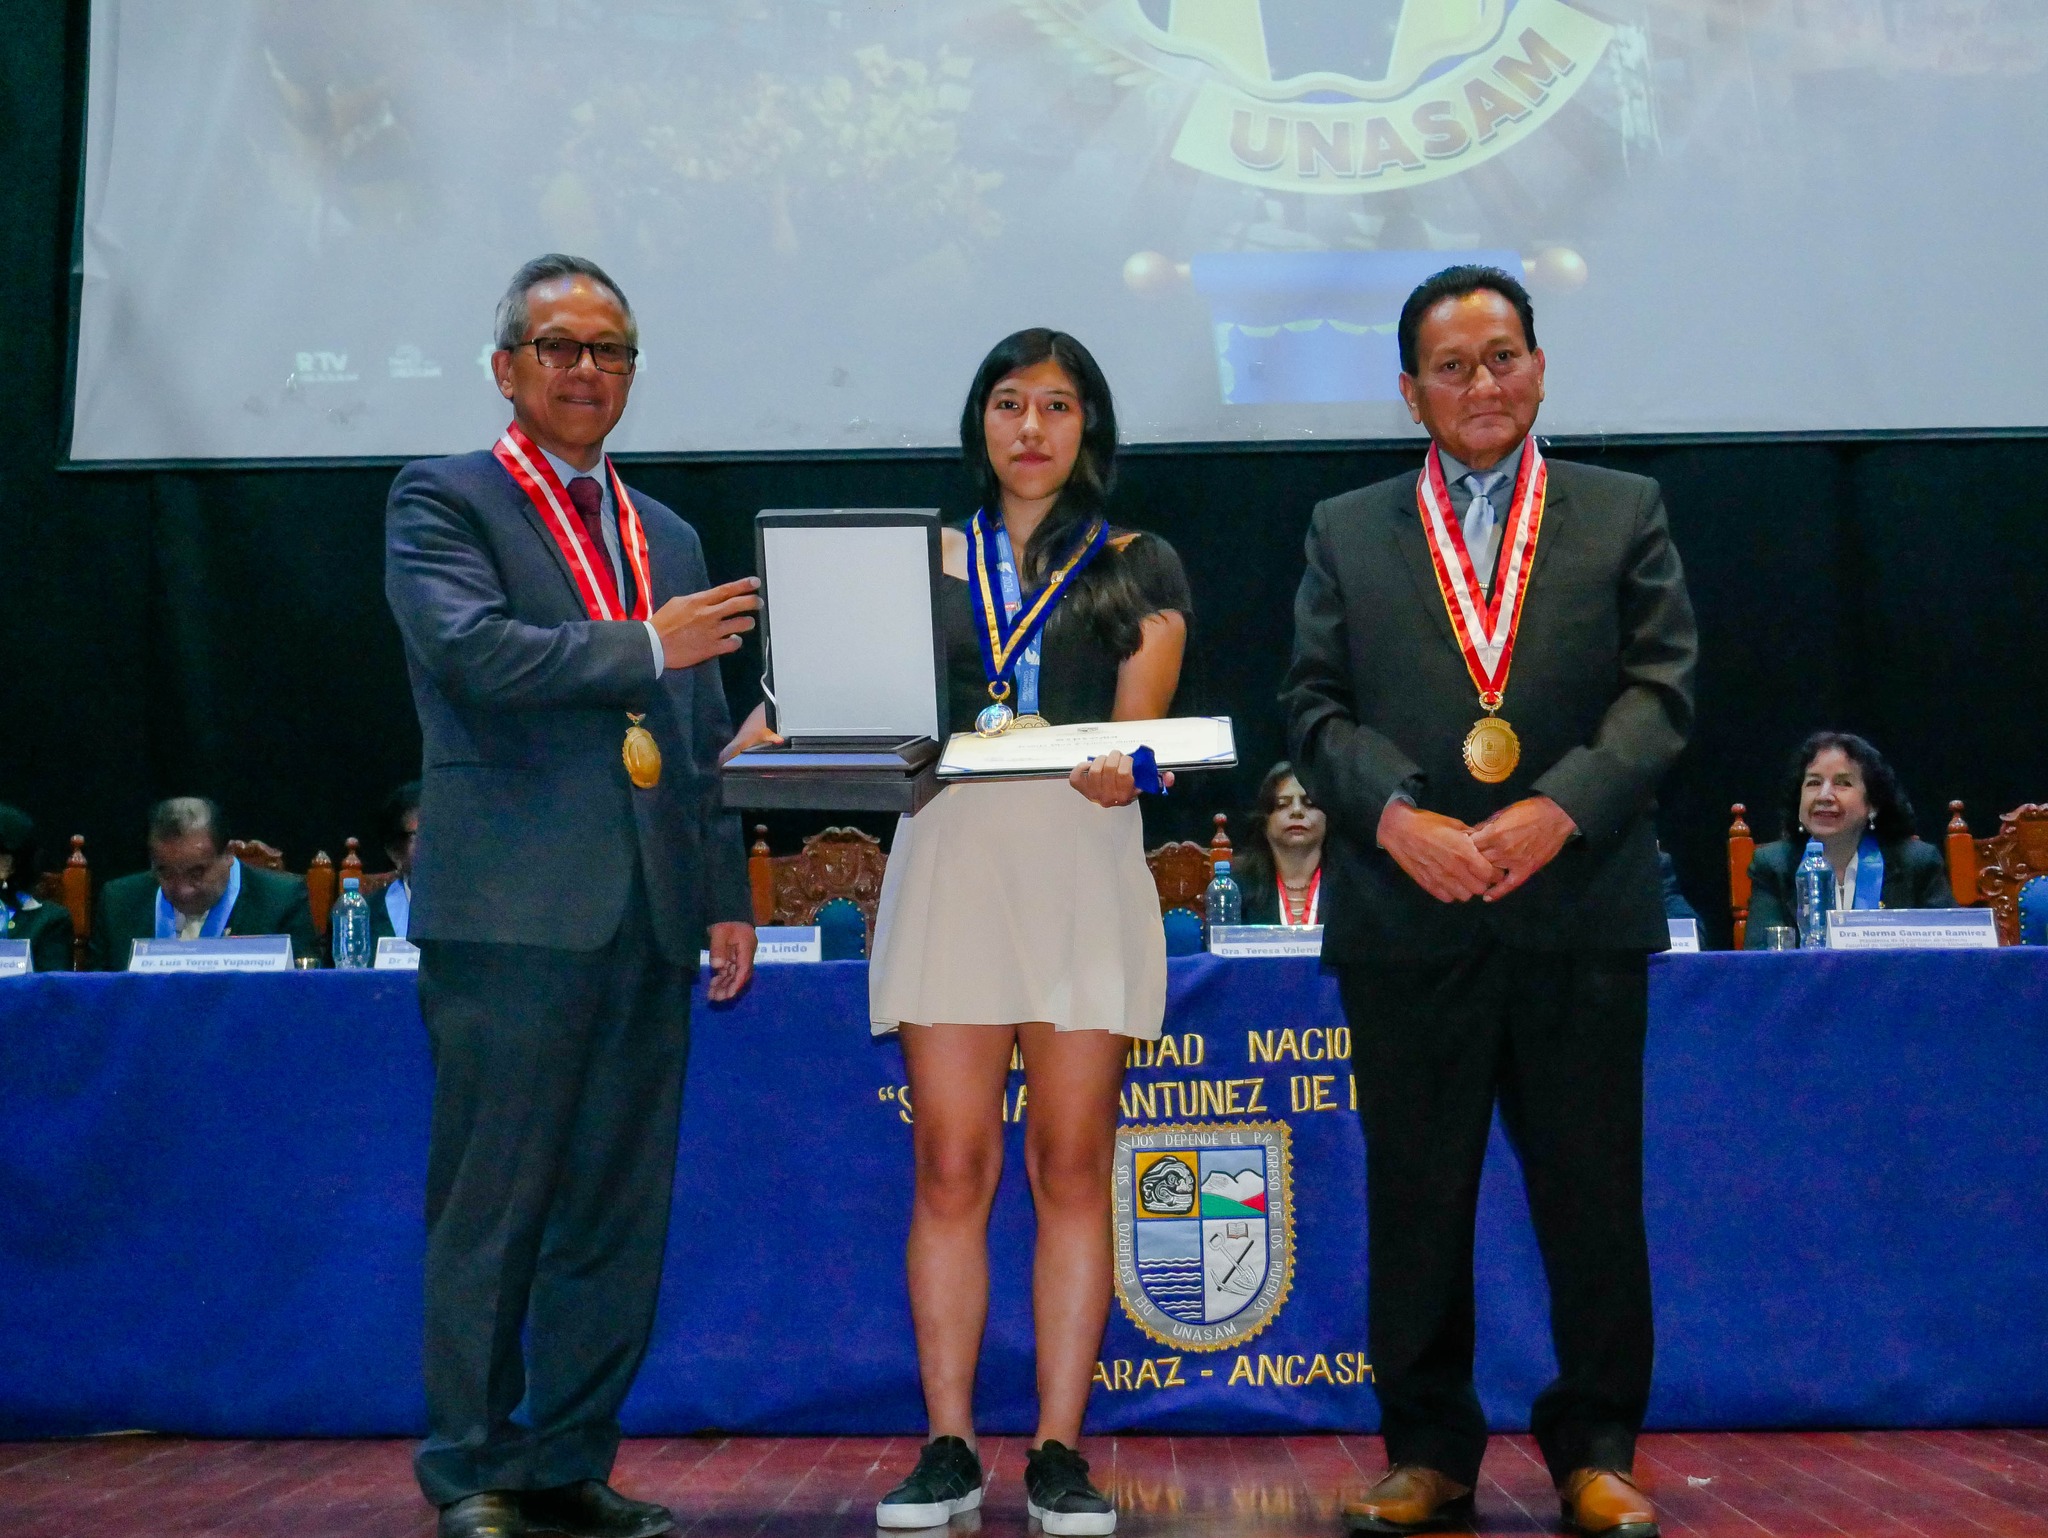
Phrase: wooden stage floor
(1842, 1484)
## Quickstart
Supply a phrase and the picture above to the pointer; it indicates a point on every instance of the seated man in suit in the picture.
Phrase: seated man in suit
(398, 830)
(196, 889)
(46, 926)
(1839, 790)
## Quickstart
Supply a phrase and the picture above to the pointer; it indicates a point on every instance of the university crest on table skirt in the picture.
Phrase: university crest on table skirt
(1204, 1230)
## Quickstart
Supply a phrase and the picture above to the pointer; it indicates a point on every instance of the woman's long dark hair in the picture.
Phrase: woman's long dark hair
(1881, 787)
(1105, 598)
(1253, 865)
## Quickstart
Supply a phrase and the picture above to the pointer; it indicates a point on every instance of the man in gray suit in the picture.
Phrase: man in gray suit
(562, 639)
(1492, 670)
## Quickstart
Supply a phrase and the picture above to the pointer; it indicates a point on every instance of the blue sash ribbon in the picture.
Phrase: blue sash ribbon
(1008, 624)
(1869, 873)
(216, 923)
(398, 906)
(1013, 600)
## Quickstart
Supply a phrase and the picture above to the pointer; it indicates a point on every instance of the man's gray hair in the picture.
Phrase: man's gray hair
(180, 815)
(512, 309)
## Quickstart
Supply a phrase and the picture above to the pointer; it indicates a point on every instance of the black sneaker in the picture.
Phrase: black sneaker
(946, 1482)
(1057, 1492)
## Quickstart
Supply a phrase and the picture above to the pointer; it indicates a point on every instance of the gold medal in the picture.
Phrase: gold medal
(1485, 624)
(1007, 624)
(1492, 750)
(642, 755)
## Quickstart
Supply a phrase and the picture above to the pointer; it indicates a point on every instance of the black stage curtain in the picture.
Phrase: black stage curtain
(224, 632)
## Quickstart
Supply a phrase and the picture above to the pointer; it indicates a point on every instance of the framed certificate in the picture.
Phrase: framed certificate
(1178, 743)
(854, 663)
(849, 624)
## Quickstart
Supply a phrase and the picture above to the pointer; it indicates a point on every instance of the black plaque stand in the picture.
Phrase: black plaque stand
(824, 774)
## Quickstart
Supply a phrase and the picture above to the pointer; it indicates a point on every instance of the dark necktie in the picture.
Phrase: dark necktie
(588, 498)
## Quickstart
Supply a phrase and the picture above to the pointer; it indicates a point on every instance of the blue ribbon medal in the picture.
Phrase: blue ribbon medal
(1008, 625)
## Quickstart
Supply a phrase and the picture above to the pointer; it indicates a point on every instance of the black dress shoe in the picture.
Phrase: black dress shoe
(591, 1508)
(493, 1514)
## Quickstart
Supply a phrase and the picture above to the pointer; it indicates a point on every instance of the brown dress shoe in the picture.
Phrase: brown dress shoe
(1604, 1504)
(1411, 1499)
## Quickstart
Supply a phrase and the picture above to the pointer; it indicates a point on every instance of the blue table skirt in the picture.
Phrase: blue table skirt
(210, 1194)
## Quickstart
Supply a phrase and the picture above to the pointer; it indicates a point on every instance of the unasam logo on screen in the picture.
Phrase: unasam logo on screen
(1464, 80)
(1204, 1220)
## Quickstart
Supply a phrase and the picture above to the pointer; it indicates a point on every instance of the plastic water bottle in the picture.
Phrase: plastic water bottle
(1816, 890)
(1222, 903)
(350, 926)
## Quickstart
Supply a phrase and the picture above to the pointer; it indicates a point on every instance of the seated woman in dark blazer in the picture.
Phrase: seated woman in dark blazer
(46, 926)
(1840, 790)
(1279, 870)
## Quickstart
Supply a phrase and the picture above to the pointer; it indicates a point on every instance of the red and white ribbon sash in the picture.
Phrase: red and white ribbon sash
(1309, 908)
(1485, 627)
(589, 564)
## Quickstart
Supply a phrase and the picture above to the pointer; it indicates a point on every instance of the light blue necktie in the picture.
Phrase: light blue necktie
(1482, 526)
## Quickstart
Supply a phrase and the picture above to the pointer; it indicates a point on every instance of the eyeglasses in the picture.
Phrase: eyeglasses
(567, 352)
(1457, 374)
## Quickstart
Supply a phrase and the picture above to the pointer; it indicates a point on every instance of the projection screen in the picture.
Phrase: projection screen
(1735, 215)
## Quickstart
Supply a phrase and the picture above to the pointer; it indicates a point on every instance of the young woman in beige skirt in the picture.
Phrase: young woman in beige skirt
(1020, 915)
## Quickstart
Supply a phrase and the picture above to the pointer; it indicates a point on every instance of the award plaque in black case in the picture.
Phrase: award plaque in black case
(854, 666)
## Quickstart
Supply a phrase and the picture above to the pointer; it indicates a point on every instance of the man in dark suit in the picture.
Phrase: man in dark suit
(398, 830)
(562, 639)
(1493, 888)
(195, 889)
(46, 926)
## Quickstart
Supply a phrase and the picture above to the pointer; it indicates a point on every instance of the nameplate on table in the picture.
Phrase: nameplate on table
(779, 944)
(1685, 936)
(776, 943)
(230, 953)
(14, 959)
(1913, 929)
(1266, 940)
(396, 955)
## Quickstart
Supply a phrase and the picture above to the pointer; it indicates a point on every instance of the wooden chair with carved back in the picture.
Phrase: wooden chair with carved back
(71, 886)
(367, 882)
(322, 884)
(253, 851)
(352, 865)
(834, 880)
(1181, 873)
(2007, 872)
(1741, 849)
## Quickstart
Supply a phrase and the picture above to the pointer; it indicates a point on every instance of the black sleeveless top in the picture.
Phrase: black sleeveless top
(1078, 665)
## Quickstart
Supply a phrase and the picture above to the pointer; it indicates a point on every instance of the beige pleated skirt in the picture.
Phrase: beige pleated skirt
(1015, 900)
